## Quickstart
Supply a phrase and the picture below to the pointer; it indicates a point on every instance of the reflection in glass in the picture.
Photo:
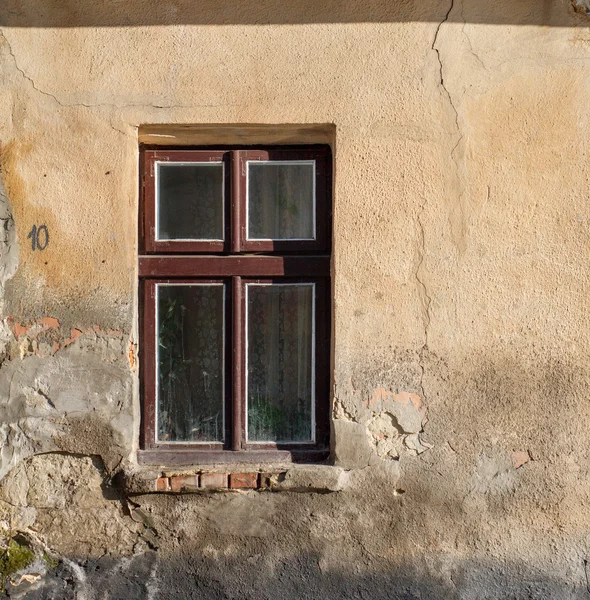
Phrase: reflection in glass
(281, 200)
(190, 201)
(190, 363)
(280, 362)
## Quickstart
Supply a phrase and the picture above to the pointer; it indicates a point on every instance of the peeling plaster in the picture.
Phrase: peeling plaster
(436, 48)
(64, 394)
(494, 345)
(63, 104)
(8, 240)
(581, 6)
(397, 422)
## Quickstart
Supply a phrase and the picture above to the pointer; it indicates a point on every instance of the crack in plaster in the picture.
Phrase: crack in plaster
(469, 39)
(427, 301)
(123, 133)
(99, 104)
(460, 242)
(29, 79)
(442, 79)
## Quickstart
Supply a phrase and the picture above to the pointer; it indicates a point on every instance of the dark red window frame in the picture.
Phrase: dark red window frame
(235, 262)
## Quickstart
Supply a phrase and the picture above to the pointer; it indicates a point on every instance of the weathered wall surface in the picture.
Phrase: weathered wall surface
(461, 333)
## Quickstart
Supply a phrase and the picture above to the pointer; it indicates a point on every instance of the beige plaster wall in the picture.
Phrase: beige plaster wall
(461, 235)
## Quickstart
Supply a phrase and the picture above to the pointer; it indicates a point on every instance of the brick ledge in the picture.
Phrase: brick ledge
(294, 478)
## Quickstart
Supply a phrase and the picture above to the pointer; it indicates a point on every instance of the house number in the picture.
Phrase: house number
(39, 237)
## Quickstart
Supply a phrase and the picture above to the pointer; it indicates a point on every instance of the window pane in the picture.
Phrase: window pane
(190, 363)
(281, 200)
(190, 201)
(280, 373)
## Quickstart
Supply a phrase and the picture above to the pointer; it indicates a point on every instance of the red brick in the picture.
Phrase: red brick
(74, 335)
(49, 323)
(241, 481)
(183, 482)
(214, 480)
(20, 330)
(520, 458)
(162, 484)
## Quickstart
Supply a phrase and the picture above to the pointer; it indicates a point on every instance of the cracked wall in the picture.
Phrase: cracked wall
(460, 274)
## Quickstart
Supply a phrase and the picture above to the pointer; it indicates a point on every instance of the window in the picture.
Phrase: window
(234, 273)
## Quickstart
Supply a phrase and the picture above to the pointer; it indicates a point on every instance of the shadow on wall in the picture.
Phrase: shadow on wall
(131, 13)
(298, 578)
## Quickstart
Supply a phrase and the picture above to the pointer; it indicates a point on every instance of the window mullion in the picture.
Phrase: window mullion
(238, 363)
(236, 202)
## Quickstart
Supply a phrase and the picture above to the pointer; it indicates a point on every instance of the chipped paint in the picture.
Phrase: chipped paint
(520, 458)
(396, 423)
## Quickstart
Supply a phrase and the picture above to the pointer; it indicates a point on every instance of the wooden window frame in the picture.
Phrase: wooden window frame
(149, 244)
(234, 263)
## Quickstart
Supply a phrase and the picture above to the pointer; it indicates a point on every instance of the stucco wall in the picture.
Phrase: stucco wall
(461, 335)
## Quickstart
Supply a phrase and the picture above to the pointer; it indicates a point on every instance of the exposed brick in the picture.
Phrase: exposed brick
(74, 335)
(187, 482)
(241, 481)
(162, 484)
(214, 480)
(131, 356)
(520, 458)
(49, 323)
(19, 330)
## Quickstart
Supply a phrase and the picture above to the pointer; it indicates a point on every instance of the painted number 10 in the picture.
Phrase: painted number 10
(39, 237)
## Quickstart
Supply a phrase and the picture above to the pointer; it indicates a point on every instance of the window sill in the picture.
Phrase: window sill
(171, 457)
(235, 478)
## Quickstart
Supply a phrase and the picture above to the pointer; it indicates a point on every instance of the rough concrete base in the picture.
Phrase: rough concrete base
(369, 540)
(301, 577)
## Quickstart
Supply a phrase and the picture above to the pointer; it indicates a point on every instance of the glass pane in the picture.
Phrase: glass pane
(190, 363)
(190, 201)
(281, 200)
(280, 362)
